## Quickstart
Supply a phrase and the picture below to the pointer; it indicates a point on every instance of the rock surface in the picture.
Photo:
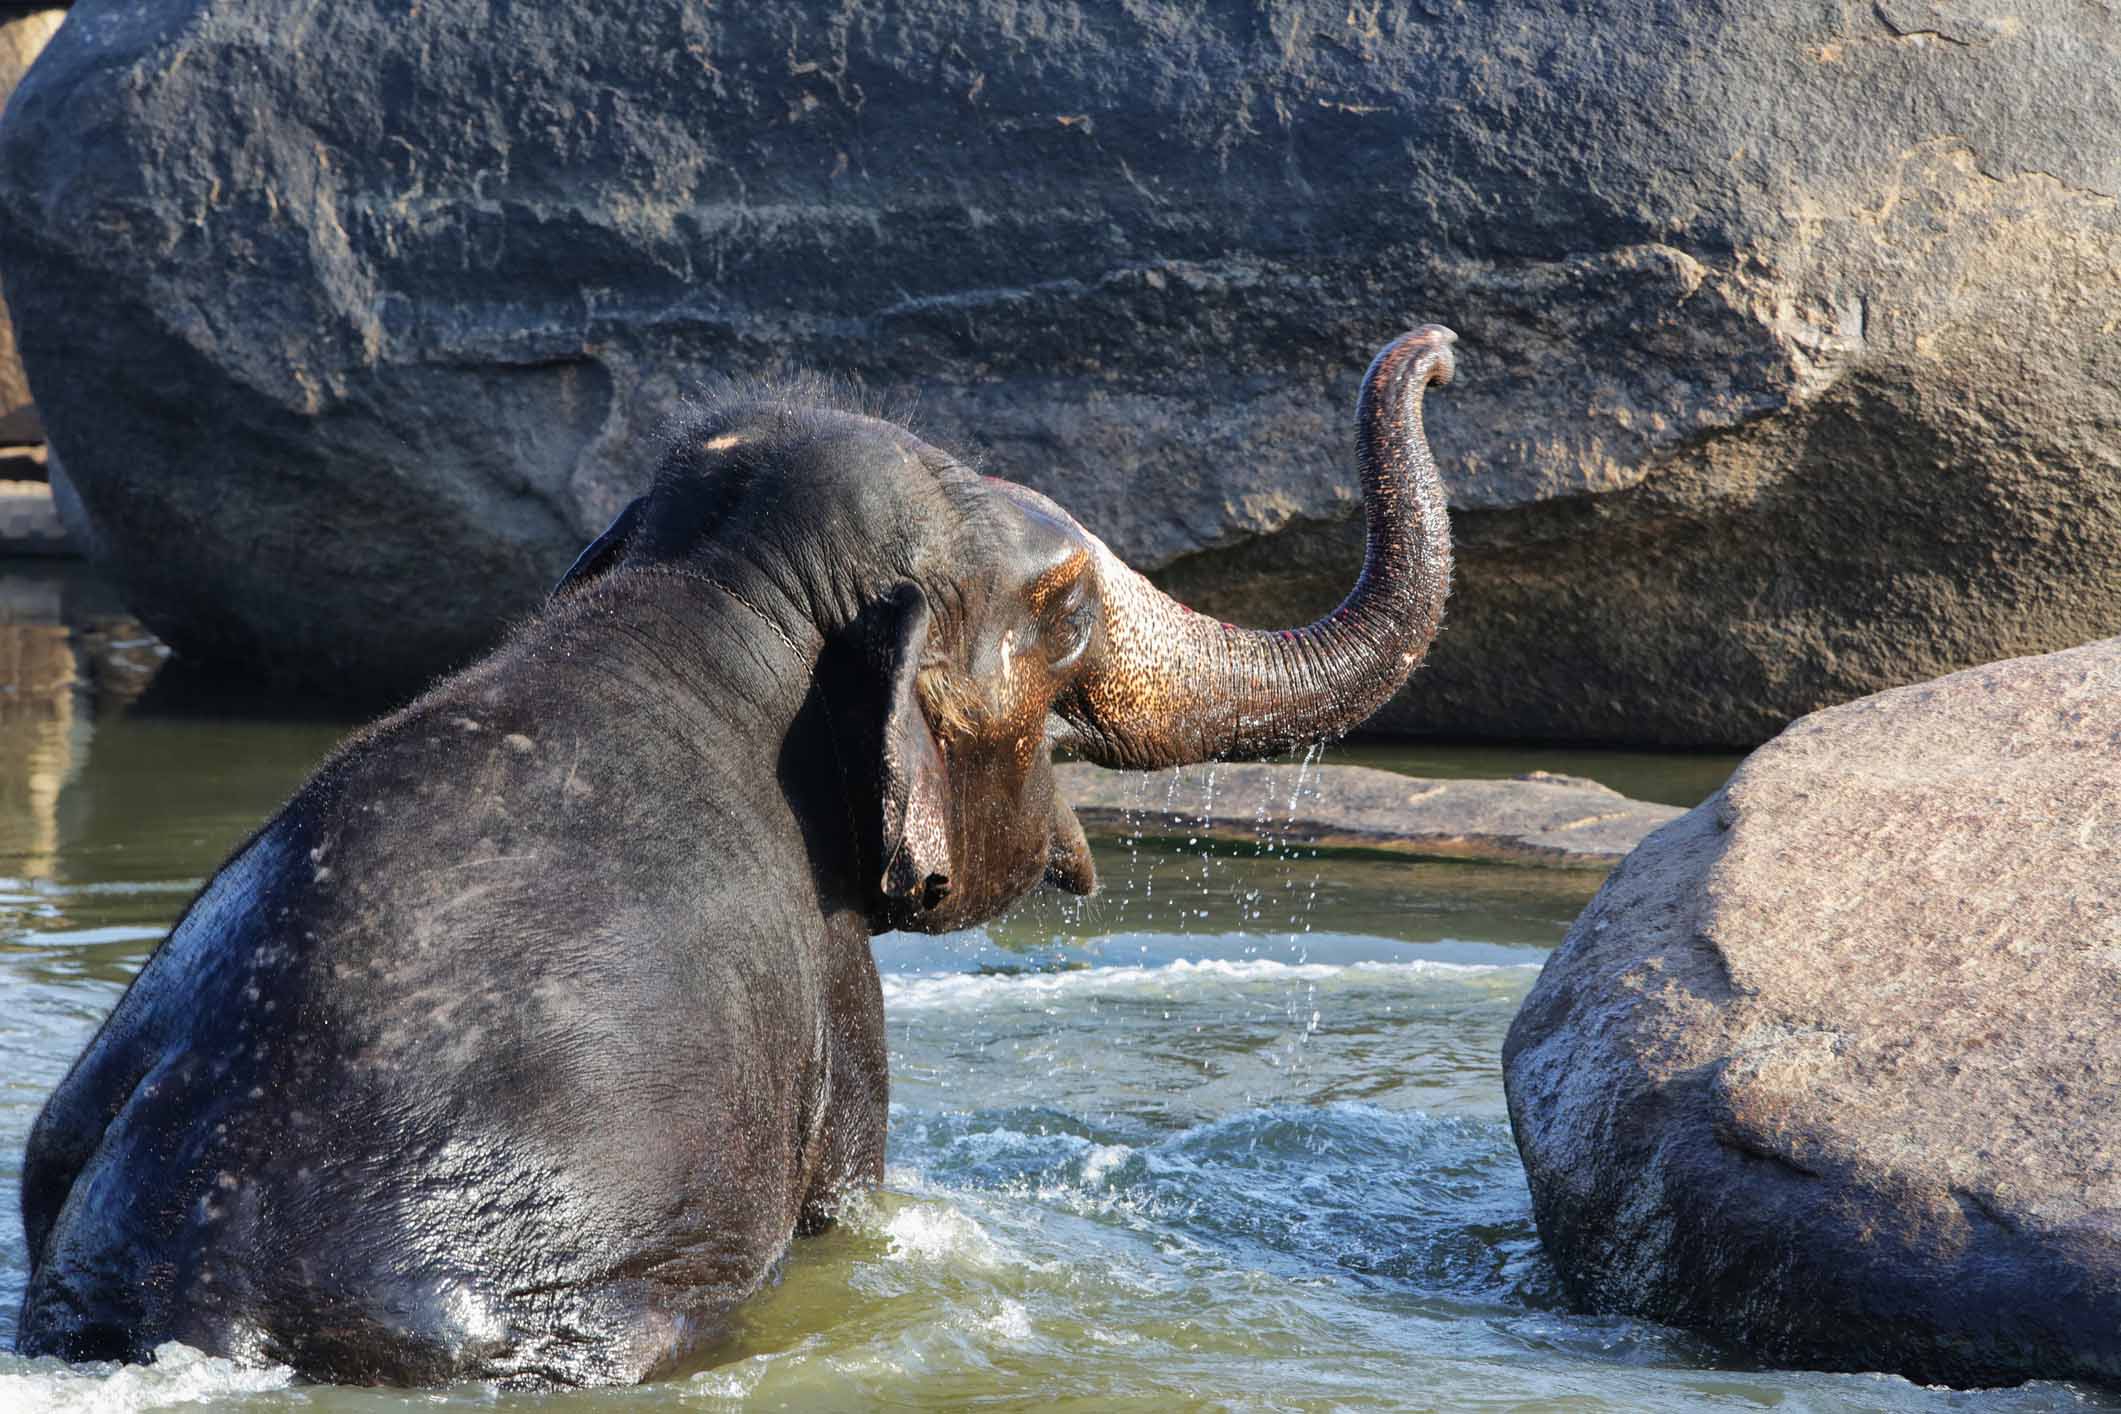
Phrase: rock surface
(1829, 1067)
(1540, 818)
(24, 31)
(1787, 363)
(29, 523)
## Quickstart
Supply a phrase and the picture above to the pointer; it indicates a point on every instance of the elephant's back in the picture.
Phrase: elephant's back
(268, 1195)
(249, 1202)
(183, 1002)
(202, 1148)
(200, 1212)
(473, 1059)
(408, 1084)
(282, 1234)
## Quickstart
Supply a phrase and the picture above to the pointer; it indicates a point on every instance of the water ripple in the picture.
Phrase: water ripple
(1435, 1204)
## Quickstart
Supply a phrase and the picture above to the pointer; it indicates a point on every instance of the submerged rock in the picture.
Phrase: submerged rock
(1787, 372)
(1540, 818)
(1829, 1067)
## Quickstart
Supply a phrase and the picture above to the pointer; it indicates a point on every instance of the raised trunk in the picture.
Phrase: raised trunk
(1170, 687)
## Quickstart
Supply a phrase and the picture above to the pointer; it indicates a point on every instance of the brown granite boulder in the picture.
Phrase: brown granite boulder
(29, 521)
(1540, 818)
(1831, 1068)
(24, 31)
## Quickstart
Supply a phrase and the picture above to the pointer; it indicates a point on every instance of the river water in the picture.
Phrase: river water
(1229, 1137)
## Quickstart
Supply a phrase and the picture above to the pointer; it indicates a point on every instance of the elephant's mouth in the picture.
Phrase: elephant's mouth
(1068, 862)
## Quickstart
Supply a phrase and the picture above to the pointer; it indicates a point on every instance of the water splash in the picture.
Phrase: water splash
(179, 1375)
(1184, 979)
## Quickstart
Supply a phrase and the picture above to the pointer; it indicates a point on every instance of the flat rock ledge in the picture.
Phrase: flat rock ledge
(1829, 1068)
(29, 522)
(1540, 818)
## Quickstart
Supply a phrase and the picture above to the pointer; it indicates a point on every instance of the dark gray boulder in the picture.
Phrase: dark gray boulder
(1829, 1067)
(1788, 366)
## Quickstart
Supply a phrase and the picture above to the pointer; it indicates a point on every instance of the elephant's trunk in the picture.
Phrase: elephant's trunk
(1172, 687)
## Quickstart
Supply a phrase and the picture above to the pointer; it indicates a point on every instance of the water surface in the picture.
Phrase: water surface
(1230, 1137)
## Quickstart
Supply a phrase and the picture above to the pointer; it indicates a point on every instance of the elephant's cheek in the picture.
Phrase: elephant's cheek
(1069, 864)
(1077, 874)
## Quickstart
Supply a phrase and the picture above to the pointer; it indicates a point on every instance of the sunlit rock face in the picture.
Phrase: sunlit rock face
(24, 31)
(1787, 365)
(1828, 1068)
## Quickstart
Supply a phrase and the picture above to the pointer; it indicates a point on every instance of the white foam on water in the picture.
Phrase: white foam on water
(1101, 1160)
(732, 1383)
(1010, 1320)
(935, 1234)
(736, 1385)
(958, 990)
(179, 1376)
(50, 889)
(113, 933)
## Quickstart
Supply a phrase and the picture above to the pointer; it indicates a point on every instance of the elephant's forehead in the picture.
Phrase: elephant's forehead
(1030, 500)
(772, 432)
(1046, 525)
(883, 484)
(865, 446)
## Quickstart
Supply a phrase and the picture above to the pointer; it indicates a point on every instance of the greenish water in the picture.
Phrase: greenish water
(1229, 1137)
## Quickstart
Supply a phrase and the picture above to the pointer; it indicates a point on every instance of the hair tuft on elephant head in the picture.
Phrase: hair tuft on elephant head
(520, 1042)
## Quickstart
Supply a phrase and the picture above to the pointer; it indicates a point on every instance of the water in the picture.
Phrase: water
(1230, 1137)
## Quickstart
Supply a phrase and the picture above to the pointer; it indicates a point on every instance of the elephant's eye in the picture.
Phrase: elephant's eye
(1069, 631)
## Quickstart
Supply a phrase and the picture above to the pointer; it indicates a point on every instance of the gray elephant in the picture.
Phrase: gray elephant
(519, 1043)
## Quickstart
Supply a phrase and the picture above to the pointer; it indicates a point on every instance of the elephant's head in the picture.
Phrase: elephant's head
(956, 628)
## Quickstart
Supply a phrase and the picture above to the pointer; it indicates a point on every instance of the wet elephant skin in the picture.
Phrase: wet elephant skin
(521, 1041)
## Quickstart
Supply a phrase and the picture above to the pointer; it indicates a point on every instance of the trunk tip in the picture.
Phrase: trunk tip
(1422, 356)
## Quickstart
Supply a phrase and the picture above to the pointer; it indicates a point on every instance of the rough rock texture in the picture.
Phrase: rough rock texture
(1788, 363)
(1540, 818)
(1829, 1066)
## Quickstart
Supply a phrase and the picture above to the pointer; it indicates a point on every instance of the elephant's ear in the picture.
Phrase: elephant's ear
(604, 551)
(915, 837)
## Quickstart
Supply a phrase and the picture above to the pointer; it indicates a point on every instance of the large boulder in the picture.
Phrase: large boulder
(1788, 369)
(1830, 1065)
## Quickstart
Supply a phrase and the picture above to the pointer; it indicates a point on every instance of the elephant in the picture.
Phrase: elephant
(520, 1043)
